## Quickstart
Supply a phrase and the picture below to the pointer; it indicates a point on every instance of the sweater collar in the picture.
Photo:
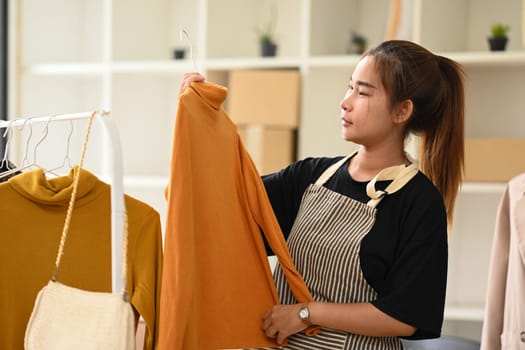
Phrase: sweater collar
(213, 94)
(35, 186)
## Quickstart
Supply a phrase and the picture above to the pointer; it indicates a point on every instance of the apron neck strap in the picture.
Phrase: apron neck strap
(399, 174)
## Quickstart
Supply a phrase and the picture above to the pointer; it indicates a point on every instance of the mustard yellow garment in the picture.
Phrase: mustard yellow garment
(32, 213)
(216, 281)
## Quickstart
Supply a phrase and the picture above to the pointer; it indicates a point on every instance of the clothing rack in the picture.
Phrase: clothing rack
(115, 173)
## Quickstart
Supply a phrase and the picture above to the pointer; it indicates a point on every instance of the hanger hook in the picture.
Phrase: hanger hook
(68, 143)
(7, 129)
(183, 32)
(6, 136)
(28, 140)
(44, 135)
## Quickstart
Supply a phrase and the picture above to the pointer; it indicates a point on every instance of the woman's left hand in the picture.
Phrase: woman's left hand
(281, 321)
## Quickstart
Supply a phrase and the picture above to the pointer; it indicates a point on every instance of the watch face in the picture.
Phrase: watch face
(303, 313)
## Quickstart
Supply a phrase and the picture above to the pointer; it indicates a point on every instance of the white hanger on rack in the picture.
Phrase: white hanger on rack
(25, 165)
(5, 159)
(4, 163)
(25, 162)
(66, 163)
(45, 132)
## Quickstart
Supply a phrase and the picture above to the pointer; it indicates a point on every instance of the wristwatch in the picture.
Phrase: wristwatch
(304, 314)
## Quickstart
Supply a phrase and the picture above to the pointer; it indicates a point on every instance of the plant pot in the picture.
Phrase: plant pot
(497, 44)
(268, 49)
(179, 54)
(356, 49)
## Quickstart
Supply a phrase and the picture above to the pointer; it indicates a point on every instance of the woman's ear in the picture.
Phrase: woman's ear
(403, 111)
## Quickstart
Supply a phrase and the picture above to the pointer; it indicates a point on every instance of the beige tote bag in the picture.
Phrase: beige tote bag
(66, 318)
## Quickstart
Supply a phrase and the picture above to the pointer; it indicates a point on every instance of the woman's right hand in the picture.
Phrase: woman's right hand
(189, 78)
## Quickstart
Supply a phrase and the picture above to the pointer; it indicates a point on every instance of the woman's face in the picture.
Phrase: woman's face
(366, 114)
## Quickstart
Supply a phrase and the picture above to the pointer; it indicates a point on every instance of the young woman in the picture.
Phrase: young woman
(368, 232)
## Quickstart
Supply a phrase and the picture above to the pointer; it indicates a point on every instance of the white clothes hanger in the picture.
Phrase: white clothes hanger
(183, 32)
(35, 163)
(25, 165)
(5, 159)
(66, 162)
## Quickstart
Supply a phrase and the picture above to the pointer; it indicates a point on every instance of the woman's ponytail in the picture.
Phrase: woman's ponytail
(442, 153)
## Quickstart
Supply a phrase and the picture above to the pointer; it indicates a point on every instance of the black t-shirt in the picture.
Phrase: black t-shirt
(403, 257)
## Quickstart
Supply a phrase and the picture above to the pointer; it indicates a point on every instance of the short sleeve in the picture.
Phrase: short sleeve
(413, 288)
(285, 189)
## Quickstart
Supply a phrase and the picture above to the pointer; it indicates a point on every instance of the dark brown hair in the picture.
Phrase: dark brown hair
(435, 85)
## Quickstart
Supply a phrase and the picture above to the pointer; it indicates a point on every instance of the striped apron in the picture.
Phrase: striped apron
(324, 243)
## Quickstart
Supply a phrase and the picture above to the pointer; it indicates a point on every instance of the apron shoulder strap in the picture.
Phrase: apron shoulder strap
(399, 174)
(331, 170)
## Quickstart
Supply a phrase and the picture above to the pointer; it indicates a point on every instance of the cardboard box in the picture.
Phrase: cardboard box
(271, 148)
(268, 97)
(494, 159)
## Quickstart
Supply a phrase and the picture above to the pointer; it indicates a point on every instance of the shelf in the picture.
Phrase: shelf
(147, 67)
(470, 59)
(65, 69)
(464, 313)
(166, 66)
(253, 63)
(335, 61)
(474, 59)
(483, 187)
(488, 58)
(96, 69)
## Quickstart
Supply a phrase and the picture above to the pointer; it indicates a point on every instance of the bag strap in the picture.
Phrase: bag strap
(65, 230)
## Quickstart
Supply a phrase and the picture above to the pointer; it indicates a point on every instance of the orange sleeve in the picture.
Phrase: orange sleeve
(263, 214)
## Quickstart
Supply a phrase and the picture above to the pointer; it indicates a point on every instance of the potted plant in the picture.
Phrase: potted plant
(266, 35)
(498, 37)
(267, 44)
(358, 43)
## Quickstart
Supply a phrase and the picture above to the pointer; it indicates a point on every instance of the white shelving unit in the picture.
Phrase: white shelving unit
(71, 56)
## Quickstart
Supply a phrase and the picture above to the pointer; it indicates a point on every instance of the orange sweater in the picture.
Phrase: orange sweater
(216, 281)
